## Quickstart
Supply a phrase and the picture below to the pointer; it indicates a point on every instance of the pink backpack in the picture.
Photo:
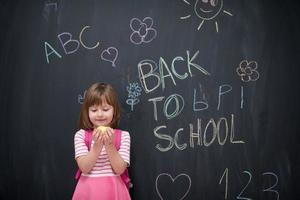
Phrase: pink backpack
(88, 141)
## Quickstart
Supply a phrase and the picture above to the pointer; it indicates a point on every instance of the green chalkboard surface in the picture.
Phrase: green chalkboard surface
(209, 91)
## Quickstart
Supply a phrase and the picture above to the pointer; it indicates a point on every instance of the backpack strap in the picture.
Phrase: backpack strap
(88, 137)
(125, 175)
(118, 134)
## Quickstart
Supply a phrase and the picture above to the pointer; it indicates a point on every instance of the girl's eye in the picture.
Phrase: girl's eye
(93, 109)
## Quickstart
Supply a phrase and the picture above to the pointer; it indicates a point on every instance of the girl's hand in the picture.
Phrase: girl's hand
(98, 137)
(108, 137)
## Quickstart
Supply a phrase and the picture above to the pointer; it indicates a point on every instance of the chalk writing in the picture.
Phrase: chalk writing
(271, 189)
(179, 179)
(220, 131)
(248, 71)
(82, 43)
(66, 40)
(199, 104)
(176, 98)
(202, 104)
(242, 97)
(226, 182)
(223, 91)
(142, 30)
(134, 91)
(250, 178)
(147, 70)
(71, 45)
(110, 54)
(47, 54)
(239, 196)
(206, 10)
(211, 133)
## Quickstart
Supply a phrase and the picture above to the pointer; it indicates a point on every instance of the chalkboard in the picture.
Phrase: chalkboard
(209, 91)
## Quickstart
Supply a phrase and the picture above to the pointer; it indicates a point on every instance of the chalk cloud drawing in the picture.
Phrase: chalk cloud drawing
(166, 176)
(142, 30)
(134, 91)
(248, 71)
(206, 10)
(110, 54)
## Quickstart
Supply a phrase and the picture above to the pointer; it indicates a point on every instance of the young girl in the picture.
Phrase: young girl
(102, 165)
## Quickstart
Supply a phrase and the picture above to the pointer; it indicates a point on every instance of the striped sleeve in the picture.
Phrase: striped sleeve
(79, 144)
(124, 150)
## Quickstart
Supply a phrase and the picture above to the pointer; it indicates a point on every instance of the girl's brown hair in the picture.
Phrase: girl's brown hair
(95, 95)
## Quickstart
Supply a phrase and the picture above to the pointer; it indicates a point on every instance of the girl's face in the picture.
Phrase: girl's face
(101, 115)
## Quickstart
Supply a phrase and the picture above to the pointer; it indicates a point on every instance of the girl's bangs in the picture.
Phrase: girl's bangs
(99, 99)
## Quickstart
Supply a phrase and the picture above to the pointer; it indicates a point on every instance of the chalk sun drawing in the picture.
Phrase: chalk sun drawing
(206, 10)
(177, 178)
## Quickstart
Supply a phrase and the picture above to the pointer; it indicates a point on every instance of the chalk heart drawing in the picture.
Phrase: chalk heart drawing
(110, 54)
(179, 178)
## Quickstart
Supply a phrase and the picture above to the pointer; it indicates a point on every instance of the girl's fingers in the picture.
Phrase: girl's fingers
(96, 132)
(105, 137)
(100, 138)
(95, 135)
(110, 132)
(109, 137)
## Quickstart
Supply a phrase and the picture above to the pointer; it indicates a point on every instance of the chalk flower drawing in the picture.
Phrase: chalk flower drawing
(142, 30)
(206, 10)
(81, 98)
(248, 71)
(134, 91)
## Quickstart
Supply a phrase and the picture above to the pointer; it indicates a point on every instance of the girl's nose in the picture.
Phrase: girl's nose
(99, 113)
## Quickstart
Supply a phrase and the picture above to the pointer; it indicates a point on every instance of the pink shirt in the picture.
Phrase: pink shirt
(102, 166)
